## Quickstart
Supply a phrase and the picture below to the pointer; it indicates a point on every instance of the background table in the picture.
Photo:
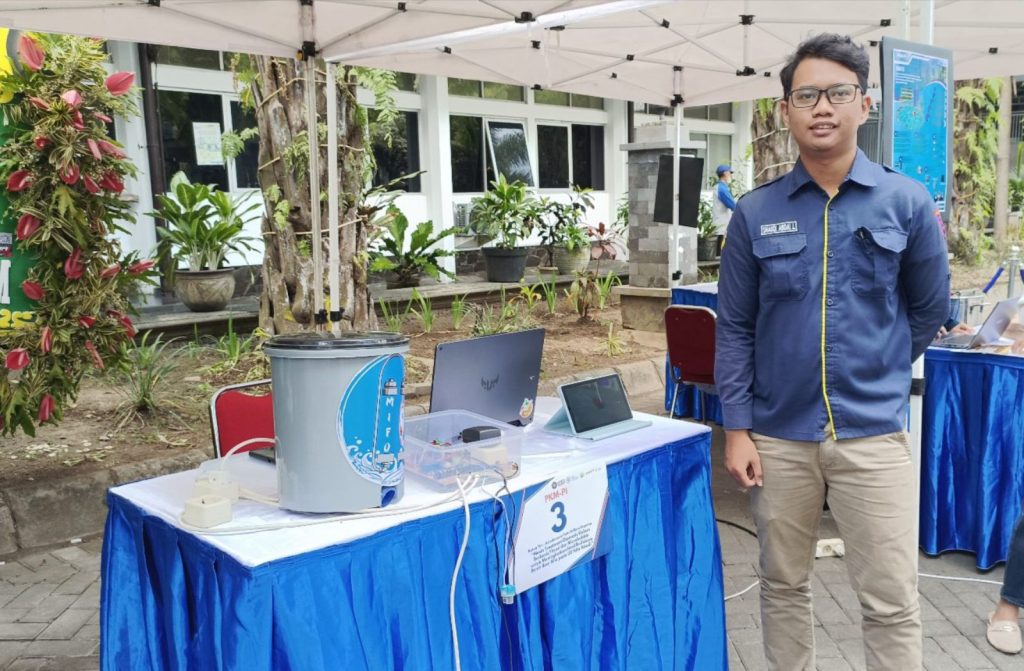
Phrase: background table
(374, 594)
(972, 452)
(688, 401)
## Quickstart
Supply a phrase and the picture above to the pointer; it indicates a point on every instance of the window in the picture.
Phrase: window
(718, 150)
(722, 112)
(181, 114)
(190, 58)
(478, 145)
(590, 102)
(546, 97)
(493, 90)
(402, 157)
(407, 81)
(588, 156)
(247, 163)
(508, 150)
(553, 157)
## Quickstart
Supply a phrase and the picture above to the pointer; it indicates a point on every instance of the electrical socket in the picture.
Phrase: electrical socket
(206, 511)
(830, 547)
(215, 483)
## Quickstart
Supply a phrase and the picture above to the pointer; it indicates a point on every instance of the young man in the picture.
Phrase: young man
(724, 204)
(834, 280)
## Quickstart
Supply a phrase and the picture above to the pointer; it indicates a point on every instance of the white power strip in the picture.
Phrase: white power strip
(830, 547)
(207, 511)
(216, 483)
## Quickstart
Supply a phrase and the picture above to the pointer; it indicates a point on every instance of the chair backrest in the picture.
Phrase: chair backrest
(690, 334)
(237, 414)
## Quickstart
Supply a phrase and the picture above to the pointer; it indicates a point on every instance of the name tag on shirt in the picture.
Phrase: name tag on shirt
(781, 227)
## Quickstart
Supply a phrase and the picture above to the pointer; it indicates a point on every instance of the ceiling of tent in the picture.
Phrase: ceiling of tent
(633, 55)
(275, 27)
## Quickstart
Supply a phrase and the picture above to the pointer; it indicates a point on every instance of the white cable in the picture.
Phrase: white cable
(383, 512)
(245, 443)
(956, 579)
(246, 493)
(742, 592)
(455, 575)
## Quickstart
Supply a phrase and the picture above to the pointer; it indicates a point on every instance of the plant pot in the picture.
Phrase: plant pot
(504, 265)
(396, 282)
(205, 290)
(569, 262)
(707, 248)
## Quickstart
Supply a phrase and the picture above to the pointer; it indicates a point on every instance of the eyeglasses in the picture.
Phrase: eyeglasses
(837, 94)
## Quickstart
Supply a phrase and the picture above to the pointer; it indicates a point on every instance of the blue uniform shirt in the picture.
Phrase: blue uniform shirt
(872, 260)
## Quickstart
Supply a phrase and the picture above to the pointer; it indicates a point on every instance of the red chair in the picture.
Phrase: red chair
(237, 415)
(690, 334)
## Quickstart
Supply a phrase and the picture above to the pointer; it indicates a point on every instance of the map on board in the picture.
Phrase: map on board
(920, 134)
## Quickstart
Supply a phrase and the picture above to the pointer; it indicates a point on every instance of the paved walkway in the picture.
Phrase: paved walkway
(49, 602)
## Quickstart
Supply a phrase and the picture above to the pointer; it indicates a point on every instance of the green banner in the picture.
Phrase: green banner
(16, 310)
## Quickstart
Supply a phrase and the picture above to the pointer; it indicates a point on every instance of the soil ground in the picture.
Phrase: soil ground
(100, 430)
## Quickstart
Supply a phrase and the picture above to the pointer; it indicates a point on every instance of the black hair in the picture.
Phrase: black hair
(832, 47)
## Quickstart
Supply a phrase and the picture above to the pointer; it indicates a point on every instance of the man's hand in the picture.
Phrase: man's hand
(742, 460)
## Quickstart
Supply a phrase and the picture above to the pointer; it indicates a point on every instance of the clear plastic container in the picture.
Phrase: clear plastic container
(435, 451)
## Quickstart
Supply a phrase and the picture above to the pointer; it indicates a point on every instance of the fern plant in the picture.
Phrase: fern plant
(421, 256)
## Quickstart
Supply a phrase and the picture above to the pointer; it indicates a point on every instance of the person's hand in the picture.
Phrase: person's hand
(742, 460)
(963, 328)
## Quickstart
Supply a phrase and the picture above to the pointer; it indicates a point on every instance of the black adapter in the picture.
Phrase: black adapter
(473, 434)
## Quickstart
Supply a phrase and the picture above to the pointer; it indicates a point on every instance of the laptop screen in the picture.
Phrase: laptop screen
(494, 376)
(597, 402)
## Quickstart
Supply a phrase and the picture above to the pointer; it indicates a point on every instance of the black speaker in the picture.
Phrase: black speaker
(691, 175)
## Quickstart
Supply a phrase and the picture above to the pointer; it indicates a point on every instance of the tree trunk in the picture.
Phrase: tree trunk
(974, 149)
(773, 152)
(288, 284)
(1002, 204)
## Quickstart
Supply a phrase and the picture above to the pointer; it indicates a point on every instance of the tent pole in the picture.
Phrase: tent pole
(316, 244)
(673, 236)
(332, 196)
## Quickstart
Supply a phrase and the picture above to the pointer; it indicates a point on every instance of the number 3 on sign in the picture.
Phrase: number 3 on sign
(558, 508)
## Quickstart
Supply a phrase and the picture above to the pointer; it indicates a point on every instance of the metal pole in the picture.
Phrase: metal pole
(673, 236)
(332, 196)
(1013, 263)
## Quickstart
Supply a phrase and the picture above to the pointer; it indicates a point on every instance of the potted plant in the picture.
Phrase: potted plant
(203, 225)
(408, 263)
(508, 213)
(563, 234)
(707, 232)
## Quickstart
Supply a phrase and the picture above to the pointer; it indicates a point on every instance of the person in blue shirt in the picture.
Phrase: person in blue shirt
(724, 204)
(834, 279)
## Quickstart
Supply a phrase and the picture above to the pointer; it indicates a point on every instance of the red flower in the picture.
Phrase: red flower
(27, 225)
(86, 321)
(46, 340)
(140, 267)
(110, 271)
(19, 180)
(70, 175)
(120, 83)
(90, 184)
(46, 406)
(111, 182)
(39, 103)
(96, 358)
(102, 117)
(110, 149)
(72, 97)
(73, 267)
(42, 142)
(76, 120)
(31, 53)
(16, 359)
(95, 149)
(129, 327)
(33, 290)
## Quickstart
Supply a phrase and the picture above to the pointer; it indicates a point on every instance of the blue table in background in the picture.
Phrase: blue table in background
(972, 452)
(287, 600)
(688, 401)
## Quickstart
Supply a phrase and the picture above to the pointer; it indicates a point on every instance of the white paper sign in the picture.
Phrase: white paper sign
(560, 525)
(206, 135)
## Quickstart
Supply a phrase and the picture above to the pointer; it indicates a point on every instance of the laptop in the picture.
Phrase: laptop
(594, 409)
(990, 332)
(494, 376)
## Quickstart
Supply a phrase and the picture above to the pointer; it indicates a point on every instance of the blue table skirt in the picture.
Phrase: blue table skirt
(972, 461)
(688, 402)
(170, 601)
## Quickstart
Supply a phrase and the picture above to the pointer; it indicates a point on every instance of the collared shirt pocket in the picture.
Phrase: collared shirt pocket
(876, 260)
(784, 263)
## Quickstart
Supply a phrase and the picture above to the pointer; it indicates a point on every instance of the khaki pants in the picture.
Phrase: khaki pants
(871, 493)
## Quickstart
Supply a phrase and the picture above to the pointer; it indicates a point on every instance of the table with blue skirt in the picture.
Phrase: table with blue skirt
(972, 452)
(373, 594)
(688, 400)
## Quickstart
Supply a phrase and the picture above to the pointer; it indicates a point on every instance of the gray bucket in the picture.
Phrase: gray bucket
(338, 419)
